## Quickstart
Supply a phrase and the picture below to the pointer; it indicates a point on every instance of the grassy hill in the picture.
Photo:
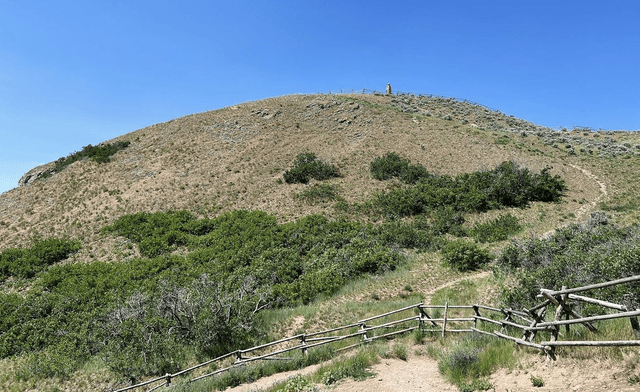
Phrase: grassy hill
(214, 163)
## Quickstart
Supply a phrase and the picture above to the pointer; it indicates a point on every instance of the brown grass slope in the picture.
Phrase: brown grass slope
(232, 158)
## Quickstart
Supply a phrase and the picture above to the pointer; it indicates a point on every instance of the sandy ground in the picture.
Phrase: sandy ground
(420, 373)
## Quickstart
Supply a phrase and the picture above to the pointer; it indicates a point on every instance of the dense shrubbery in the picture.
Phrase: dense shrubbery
(508, 185)
(447, 220)
(498, 229)
(99, 154)
(306, 166)
(464, 256)
(25, 263)
(296, 260)
(392, 165)
(148, 315)
(575, 255)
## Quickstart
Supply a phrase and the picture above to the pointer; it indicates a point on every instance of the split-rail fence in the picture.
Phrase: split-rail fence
(440, 319)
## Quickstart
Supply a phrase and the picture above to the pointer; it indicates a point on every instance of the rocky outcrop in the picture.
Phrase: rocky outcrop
(35, 173)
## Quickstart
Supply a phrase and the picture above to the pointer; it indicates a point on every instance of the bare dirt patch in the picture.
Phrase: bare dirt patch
(420, 373)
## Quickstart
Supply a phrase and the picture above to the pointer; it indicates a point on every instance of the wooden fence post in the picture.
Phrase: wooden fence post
(444, 323)
(303, 342)
(635, 326)
(508, 318)
(538, 316)
(476, 311)
(423, 313)
(570, 311)
(551, 354)
(363, 326)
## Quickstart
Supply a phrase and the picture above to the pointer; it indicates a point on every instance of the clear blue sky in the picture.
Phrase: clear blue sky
(74, 73)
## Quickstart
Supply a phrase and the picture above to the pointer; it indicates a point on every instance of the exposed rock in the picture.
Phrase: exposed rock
(34, 174)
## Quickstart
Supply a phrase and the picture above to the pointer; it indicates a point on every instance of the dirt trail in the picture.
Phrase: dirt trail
(587, 207)
(580, 212)
(418, 373)
(454, 282)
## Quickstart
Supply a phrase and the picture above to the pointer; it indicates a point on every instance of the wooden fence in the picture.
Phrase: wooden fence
(440, 319)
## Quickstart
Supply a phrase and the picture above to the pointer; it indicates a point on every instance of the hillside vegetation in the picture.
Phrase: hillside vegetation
(178, 242)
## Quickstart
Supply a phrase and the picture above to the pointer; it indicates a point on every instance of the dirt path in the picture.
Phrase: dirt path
(585, 208)
(454, 282)
(418, 373)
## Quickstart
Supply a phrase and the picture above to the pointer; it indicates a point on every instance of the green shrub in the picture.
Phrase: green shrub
(447, 220)
(59, 361)
(299, 383)
(100, 154)
(25, 263)
(498, 229)
(319, 193)
(576, 255)
(399, 351)
(475, 385)
(508, 185)
(306, 166)
(355, 367)
(464, 256)
(392, 165)
(389, 166)
(405, 235)
(149, 315)
(537, 381)
(472, 357)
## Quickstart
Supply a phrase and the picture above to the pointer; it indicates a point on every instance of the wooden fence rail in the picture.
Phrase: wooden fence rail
(533, 317)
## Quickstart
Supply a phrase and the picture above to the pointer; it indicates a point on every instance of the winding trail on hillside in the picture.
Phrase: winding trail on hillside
(585, 208)
(454, 282)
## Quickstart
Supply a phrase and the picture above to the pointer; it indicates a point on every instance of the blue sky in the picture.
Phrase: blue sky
(74, 73)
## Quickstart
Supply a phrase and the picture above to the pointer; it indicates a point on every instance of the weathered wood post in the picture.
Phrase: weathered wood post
(303, 343)
(550, 297)
(508, 318)
(476, 311)
(635, 326)
(426, 316)
(444, 322)
(538, 317)
(554, 335)
(566, 309)
(363, 327)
